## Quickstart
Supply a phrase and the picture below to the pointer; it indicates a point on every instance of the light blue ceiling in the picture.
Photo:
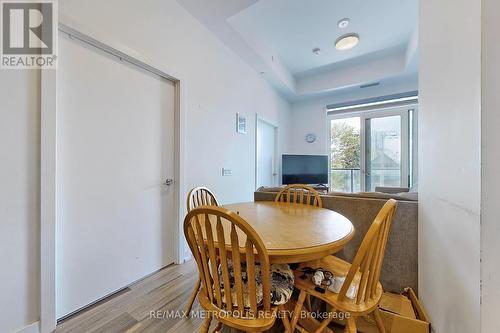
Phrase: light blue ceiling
(292, 28)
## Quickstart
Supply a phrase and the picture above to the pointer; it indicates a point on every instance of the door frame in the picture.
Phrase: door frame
(276, 161)
(403, 146)
(371, 114)
(48, 155)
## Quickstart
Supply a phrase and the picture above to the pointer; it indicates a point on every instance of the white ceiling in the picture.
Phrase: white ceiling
(277, 37)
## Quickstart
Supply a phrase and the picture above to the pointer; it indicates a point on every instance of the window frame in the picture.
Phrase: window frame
(403, 112)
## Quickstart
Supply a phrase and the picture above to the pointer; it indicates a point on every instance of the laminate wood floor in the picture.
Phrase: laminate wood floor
(135, 308)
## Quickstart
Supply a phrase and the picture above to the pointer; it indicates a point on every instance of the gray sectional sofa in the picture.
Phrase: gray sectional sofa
(400, 268)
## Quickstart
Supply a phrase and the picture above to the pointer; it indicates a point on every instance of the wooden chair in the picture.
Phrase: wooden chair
(299, 194)
(198, 196)
(235, 304)
(364, 272)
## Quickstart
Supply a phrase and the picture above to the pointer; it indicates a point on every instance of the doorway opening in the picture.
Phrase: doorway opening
(266, 153)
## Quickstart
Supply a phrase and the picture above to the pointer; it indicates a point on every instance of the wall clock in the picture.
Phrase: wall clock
(310, 138)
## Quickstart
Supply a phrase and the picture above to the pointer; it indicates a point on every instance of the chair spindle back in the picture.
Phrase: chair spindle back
(216, 237)
(299, 194)
(200, 196)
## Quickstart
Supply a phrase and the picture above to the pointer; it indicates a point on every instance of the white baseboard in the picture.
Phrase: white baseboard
(31, 328)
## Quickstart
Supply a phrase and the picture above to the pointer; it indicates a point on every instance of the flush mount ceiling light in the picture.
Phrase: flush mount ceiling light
(347, 42)
(343, 23)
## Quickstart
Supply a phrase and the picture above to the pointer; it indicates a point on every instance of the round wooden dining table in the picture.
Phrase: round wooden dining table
(294, 233)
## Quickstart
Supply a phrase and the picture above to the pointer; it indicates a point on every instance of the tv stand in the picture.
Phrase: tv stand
(321, 188)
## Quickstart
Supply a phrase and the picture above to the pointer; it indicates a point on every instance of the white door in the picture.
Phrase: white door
(266, 154)
(115, 148)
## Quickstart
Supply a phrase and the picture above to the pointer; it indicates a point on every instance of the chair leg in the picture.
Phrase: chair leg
(206, 324)
(308, 303)
(189, 305)
(351, 326)
(298, 309)
(379, 322)
(284, 319)
(217, 328)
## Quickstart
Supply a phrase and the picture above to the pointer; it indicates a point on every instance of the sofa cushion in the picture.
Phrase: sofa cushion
(407, 196)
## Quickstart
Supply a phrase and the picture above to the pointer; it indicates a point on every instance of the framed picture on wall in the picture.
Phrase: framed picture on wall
(241, 124)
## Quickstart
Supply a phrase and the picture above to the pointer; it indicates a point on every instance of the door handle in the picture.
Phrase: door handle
(168, 182)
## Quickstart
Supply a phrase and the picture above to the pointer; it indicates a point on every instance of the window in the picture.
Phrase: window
(373, 148)
(345, 154)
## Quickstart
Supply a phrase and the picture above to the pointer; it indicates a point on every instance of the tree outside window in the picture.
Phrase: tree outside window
(345, 154)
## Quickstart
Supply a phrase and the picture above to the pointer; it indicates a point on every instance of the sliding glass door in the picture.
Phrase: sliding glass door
(372, 149)
(384, 152)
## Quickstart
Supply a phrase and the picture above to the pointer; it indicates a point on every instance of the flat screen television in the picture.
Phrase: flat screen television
(304, 169)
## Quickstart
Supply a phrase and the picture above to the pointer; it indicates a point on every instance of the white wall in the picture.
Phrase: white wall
(309, 116)
(219, 84)
(353, 74)
(450, 163)
(19, 198)
(490, 155)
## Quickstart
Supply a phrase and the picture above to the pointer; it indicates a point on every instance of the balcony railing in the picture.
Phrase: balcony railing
(345, 179)
(349, 179)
